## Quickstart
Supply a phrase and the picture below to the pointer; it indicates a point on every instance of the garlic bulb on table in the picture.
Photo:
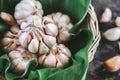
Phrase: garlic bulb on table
(58, 57)
(27, 8)
(20, 59)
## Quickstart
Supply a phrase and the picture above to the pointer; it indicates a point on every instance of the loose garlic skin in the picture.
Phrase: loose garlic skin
(27, 8)
(20, 59)
(106, 16)
(58, 57)
(112, 34)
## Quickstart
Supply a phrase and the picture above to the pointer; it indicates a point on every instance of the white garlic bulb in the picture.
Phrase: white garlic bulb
(58, 57)
(20, 59)
(27, 8)
(112, 34)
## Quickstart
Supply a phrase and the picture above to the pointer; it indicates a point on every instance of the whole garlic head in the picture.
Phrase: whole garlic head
(58, 57)
(27, 8)
(20, 59)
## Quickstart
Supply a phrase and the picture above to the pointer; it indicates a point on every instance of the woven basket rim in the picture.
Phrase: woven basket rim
(94, 27)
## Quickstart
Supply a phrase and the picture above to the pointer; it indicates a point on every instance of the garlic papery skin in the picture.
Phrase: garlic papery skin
(20, 59)
(26, 8)
(112, 34)
(106, 16)
(56, 57)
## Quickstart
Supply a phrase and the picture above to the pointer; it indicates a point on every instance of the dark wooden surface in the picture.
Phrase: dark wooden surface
(106, 48)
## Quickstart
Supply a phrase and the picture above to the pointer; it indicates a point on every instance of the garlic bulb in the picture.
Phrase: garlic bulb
(58, 57)
(106, 16)
(10, 40)
(20, 59)
(27, 8)
(63, 24)
(112, 34)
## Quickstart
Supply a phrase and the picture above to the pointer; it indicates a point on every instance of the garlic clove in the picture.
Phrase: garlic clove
(14, 54)
(14, 29)
(39, 8)
(21, 14)
(20, 49)
(8, 18)
(106, 16)
(33, 46)
(112, 34)
(47, 20)
(51, 29)
(43, 49)
(49, 41)
(63, 58)
(24, 39)
(6, 41)
(113, 64)
(12, 47)
(41, 59)
(9, 34)
(63, 36)
(20, 68)
(64, 19)
(59, 64)
(50, 61)
(117, 21)
(16, 61)
(57, 16)
(64, 50)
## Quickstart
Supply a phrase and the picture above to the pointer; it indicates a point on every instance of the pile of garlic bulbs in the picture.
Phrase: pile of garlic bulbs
(37, 35)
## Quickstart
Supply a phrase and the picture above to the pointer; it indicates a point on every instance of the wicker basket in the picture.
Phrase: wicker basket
(92, 23)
